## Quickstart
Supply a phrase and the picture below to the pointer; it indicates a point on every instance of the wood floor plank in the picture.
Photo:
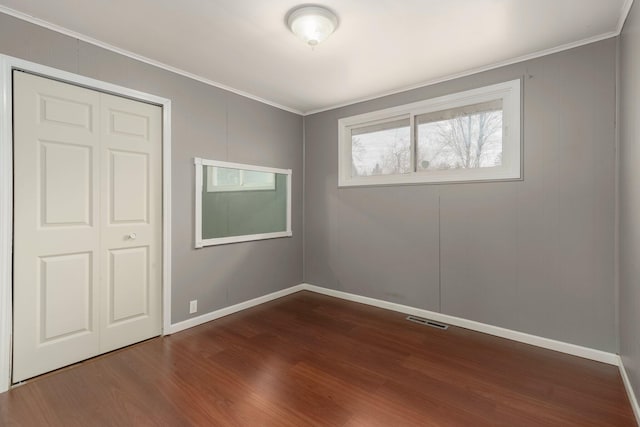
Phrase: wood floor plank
(312, 360)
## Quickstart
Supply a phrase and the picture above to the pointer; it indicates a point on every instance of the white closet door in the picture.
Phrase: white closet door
(131, 195)
(56, 226)
(87, 223)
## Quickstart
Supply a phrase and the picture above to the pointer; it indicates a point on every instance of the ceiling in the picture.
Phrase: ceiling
(380, 46)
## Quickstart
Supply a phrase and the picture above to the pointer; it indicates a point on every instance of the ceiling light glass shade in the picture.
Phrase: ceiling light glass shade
(312, 24)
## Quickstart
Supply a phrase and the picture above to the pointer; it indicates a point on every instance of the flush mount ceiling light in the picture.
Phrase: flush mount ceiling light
(312, 24)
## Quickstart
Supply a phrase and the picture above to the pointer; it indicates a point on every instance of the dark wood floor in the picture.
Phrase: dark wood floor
(308, 359)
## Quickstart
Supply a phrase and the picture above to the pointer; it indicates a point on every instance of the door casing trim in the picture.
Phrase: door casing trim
(7, 65)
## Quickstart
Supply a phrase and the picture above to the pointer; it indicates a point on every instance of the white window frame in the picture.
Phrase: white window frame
(511, 168)
(199, 241)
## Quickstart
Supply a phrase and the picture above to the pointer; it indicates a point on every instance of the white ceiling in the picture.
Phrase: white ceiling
(381, 46)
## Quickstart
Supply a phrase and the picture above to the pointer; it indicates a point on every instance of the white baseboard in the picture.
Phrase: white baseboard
(563, 347)
(190, 323)
(632, 395)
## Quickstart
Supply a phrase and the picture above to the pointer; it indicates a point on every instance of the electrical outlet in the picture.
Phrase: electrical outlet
(193, 306)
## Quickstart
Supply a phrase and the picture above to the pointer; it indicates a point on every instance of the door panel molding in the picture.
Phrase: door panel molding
(74, 273)
(126, 124)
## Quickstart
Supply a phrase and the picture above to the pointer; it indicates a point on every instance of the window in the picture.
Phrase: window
(467, 136)
(227, 179)
(238, 203)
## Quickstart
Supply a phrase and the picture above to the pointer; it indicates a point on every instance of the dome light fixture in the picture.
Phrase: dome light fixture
(312, 24)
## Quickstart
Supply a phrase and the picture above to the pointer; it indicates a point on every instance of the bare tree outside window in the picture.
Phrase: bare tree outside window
(381, 149)
(463, 140)
(452, 139)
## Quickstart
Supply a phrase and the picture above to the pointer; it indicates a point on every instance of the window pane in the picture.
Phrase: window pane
(460, 138)
(258, 180)
(238, 212)
(381, 149)
(228, 179)
(226, 176)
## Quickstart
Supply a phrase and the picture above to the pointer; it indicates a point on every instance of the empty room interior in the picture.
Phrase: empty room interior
(346, 213)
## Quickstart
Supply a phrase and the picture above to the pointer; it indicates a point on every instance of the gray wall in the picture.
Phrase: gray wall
(535, 256)
(210, 123)
(629, 201)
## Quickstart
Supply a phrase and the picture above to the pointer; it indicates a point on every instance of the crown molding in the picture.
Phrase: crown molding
(472, 71)
(624, 13)
(58, 29)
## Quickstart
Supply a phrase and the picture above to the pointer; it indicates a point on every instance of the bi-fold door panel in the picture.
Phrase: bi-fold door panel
(87, 233)
(131, 227)
(56, 232)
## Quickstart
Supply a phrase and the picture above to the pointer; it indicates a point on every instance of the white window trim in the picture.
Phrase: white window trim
(199, 241)
(511, 169)
(7, 65)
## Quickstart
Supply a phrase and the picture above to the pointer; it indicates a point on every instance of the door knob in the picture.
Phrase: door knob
(132, 236)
